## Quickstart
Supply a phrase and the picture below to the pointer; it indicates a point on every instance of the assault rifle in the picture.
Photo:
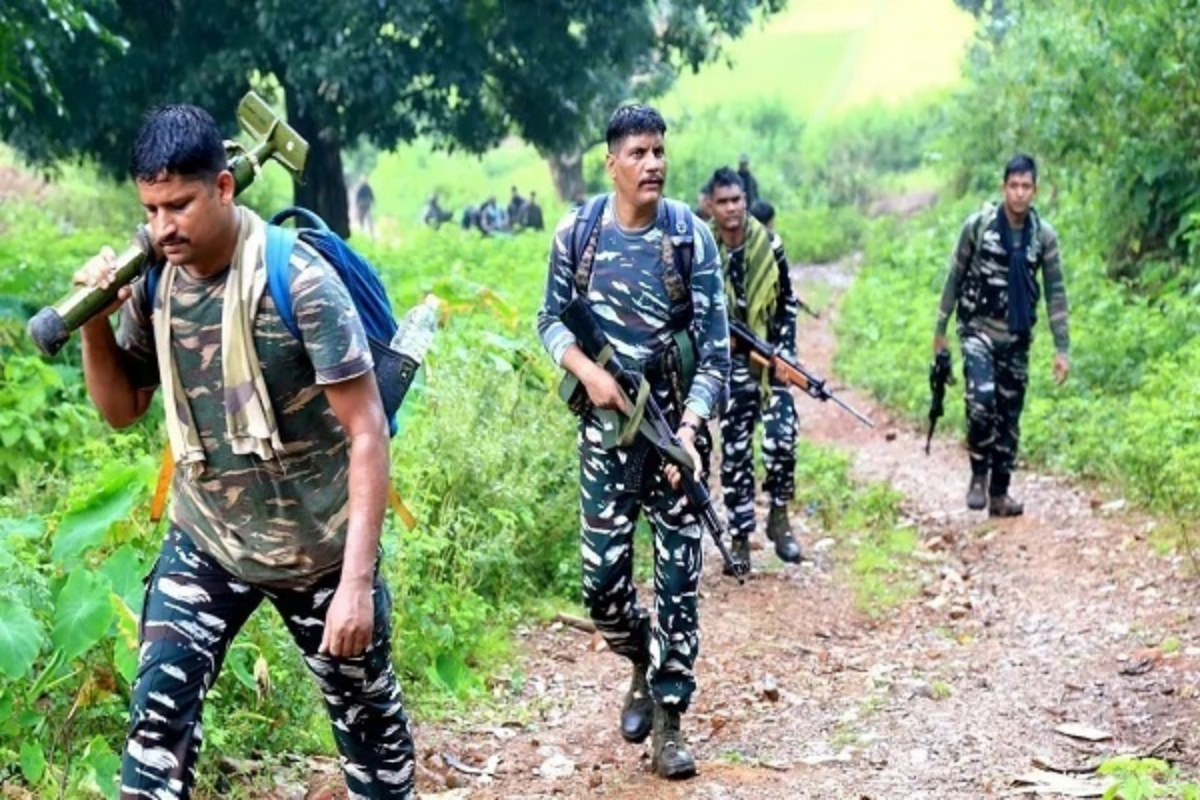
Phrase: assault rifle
(788, 371)
(51, 327)
(580, 320)
(941, 374)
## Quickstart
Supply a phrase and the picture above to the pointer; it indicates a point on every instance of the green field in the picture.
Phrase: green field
(826, 56)
(818, 59)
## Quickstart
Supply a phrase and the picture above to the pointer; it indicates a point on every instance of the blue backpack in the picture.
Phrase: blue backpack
(362, 282)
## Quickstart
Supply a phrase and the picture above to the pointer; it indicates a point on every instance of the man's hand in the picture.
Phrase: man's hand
(687, 437)
(1062, 368)
(98, 273)
(939, 344)
(350, 623)
(603, 390)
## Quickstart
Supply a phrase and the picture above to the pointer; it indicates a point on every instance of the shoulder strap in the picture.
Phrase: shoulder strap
(680, 227)
(153, 275)
(679, 250)
(280, 243)
(584, 236)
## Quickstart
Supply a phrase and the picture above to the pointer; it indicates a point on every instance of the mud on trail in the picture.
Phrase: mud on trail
(1022, 627)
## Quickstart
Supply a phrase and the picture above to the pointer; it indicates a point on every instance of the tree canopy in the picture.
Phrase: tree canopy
(25, 27)
(465, 72)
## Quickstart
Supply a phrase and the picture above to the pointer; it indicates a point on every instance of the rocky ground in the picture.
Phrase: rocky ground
(1035, 648)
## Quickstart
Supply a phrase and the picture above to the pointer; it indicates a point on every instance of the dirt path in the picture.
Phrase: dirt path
(1057, 617)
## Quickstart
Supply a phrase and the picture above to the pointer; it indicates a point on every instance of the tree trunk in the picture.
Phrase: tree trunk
(324, 187)
(566, 169)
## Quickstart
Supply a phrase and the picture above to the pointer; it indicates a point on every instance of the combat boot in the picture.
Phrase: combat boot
(779, 531)
(977, 493)
(670, 757)
(1004, 506)
(739, 548)
(637, 714)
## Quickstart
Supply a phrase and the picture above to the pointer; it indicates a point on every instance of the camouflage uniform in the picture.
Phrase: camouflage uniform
(995, 359)
(745, 404)
(628, 293)
(245, 530)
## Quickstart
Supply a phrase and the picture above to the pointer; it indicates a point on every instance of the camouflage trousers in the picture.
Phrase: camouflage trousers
(740, 416)
(614, 486)
(996, 376)
(193, 610)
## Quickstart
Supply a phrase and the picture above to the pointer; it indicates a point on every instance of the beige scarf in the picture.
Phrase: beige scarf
(249, 420)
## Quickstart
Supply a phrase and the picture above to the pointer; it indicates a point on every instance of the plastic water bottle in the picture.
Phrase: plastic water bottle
(413, 338)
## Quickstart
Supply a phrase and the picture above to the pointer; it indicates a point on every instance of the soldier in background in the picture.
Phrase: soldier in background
(758, 292)
(993, 284)
(364, 203)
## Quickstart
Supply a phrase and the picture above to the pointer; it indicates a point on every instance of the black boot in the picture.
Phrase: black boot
(977, 493)
(739, 548)
(670, 758)
(779, 531)
(1004, 506)
(637, 714)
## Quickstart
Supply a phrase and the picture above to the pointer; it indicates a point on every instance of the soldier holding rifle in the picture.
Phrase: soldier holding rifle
(657, 299)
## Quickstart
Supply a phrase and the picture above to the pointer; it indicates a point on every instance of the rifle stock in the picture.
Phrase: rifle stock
(580, 320)
(791, 373)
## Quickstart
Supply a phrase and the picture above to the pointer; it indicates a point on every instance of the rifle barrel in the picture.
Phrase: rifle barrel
(864, 420)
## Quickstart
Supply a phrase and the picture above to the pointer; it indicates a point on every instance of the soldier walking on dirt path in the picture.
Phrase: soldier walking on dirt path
(658, 318)
(758, 291)
(993, 283)
(281, 450)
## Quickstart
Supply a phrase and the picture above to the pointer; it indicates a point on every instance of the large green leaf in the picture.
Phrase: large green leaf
(33, 761)
(125, 569)
(82, 614)
(20, 638)
(85, 524)
(23, 528)
(102, 767)
(125, 649)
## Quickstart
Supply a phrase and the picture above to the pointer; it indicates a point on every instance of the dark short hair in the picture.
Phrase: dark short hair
(178, 140)
(725, 177)
(762, 211)
(1021, 164)
(632, 120)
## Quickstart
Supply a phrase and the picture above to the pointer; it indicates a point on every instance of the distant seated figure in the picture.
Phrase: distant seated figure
(764, 212)
(470, 218)
(433, 215)
(515, 203)
(530, 217)
(364, 201)
(492, 217)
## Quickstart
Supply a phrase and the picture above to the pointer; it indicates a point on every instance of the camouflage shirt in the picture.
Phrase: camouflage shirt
(782, 326)
(630, 300)
(278, 523)
(978, 279)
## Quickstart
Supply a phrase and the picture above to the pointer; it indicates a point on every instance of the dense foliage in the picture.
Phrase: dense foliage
(1107, 92)
(466, 73)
